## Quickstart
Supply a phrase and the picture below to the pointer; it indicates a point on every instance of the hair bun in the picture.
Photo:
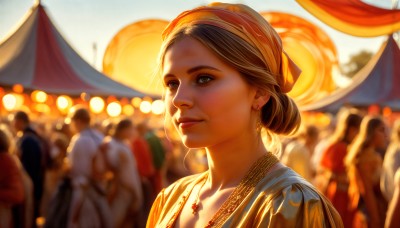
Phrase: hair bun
(280, 115)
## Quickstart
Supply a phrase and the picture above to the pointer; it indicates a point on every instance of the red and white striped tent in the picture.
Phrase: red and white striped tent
(38, 57)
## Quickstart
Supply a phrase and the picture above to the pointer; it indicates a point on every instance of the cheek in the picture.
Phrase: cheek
(227, 108)
(169, 107)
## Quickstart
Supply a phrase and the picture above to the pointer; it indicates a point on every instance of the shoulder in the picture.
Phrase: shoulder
(397, 177)
(288, 199)
(369, 155)
(7, 161)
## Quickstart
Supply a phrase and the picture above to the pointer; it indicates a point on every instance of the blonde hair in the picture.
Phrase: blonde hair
(347, 118)
(395, 136)
(280, 114)
(362, 141)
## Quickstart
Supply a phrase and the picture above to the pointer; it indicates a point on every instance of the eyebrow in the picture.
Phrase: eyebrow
(201, 67)
(194, 69)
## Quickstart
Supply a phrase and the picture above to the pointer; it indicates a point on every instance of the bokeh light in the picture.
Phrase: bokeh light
(158, 107)
(136, 102)
(39, 96)
(64, 103)
(12, 101)
(128, 110)
(145, 107)
(18, 88)
(114, 109)
(96, 105)
(9, 102)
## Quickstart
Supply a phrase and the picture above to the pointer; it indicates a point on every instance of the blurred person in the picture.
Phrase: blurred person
(11, 182)
(331, 176)
(393, 212)
(88, 207)
(297, 154)
(226, 77)
(391, 163)
(364, 165)
(106, 127)
(55, 171)
(321, 146)
(31, 151)
(125, 195)
(158, 153)
(145, 166)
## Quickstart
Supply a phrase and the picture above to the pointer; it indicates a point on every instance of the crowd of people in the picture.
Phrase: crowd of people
(79, 175)
(354, 166)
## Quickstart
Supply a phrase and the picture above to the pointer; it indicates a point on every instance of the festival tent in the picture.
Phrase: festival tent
(377, 83)
(38, 57)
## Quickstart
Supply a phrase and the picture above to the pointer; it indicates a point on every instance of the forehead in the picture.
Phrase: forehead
(187, 52)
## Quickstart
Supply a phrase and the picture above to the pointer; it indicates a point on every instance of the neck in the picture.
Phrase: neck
(230, 161)
(82, 128)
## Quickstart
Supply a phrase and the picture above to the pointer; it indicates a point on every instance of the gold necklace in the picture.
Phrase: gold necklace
(258, 171)
(195, 204)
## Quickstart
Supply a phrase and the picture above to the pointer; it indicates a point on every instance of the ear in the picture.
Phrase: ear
(260, 99)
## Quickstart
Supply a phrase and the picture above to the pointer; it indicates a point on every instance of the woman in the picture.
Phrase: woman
(332, 176)
(11, 185)
(226, 77)
(125, 195)
(393, 213)
(364, 165)
(391, 163)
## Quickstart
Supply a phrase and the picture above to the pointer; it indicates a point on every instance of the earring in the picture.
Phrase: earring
(257, 107)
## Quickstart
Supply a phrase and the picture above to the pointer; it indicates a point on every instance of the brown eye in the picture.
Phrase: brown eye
(204, 79)
(172, 84)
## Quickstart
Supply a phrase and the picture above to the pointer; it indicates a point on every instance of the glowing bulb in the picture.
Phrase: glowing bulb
(9, 102)
(43, 108)
(114, 109)
(158, 107)
(63, 103)
(145, 106)
(39, 96)
(18, 88)
(136, 102)
(128, 110)
(96, 105)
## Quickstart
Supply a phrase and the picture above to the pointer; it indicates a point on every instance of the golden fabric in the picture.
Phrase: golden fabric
(354, 17)
(244, 22)
(280, 199)
(312, 50)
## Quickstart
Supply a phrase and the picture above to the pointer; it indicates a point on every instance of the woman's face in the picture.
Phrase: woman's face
(380, 137)
(208, 101)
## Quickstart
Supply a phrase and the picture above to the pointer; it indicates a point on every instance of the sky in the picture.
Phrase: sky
(85, 22)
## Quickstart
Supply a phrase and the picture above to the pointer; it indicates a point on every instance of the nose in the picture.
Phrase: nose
(183, 97)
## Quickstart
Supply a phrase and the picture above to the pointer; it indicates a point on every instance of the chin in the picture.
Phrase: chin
(192, 142)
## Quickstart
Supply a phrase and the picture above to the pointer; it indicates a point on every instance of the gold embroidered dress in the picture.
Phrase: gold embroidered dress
(281, 199)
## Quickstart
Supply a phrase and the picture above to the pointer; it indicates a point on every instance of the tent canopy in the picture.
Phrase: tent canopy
(377, 83)
(38, 57)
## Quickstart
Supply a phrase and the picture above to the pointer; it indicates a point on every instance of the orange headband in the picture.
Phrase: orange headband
(246, 23)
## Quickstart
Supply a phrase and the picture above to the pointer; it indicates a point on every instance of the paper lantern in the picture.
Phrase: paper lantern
(131, 56)
(312, 50)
